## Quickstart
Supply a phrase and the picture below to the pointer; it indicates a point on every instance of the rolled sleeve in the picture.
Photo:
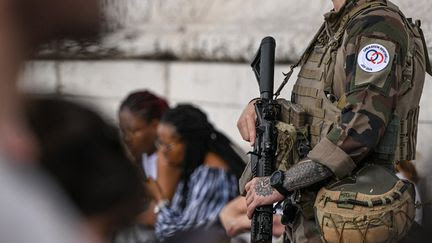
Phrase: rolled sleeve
(333, 157)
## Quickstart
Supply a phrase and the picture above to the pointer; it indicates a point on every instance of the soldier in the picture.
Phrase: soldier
(360, 84)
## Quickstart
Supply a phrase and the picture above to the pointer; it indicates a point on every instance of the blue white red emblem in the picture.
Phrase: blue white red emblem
(373, 58)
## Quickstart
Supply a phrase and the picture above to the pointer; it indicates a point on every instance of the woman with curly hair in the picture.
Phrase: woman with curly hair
(198, 177)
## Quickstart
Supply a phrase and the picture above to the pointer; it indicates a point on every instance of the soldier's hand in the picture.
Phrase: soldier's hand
(246, 123)
(259, 192)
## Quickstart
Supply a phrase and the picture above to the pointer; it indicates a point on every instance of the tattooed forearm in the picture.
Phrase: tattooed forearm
(304, 174)
(263, 187)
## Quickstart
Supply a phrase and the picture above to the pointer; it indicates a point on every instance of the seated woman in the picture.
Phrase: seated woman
(139, 116)
(199, 168)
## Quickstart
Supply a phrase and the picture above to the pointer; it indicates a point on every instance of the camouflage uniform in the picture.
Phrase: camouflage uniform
(360, 85)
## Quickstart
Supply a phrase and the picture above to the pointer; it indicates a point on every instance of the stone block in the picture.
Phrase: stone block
(424, 168)
(226, 83)
(424, 146)
(215, 30)
(38, 77)
(207, 82)
(106, 107)
(110, 79)
(223, 29)
(426, 101)
(249, 87)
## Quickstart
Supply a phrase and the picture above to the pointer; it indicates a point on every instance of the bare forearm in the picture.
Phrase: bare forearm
(147, 217)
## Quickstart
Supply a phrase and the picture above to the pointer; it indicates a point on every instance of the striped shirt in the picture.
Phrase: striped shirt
(210, 189)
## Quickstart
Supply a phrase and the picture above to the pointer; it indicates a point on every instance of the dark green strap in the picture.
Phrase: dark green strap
(378, 202)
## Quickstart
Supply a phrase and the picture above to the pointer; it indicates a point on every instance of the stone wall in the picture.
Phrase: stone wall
(221, 89)
(213, 30)
(198, 51)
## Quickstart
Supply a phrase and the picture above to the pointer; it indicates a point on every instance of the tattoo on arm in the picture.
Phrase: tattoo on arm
(263, 187)
(304, 174)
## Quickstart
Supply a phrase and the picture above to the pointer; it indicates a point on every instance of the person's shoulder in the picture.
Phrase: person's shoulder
(208, 173)
(206, 169)
(383, 22)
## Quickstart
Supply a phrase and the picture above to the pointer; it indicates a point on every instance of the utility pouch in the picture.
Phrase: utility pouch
(292, 140)
(292, 113)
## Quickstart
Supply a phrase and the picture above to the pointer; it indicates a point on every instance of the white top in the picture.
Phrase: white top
(149, 163)
(419, 211)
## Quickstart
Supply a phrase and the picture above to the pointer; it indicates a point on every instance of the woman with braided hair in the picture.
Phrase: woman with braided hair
(199, 169)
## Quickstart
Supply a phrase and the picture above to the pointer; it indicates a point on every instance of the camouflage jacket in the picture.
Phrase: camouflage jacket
(360, 84)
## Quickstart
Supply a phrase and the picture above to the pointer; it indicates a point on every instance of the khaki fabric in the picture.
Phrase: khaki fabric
(386, 223)
(286, 154)
(378, 79)
(333, 157)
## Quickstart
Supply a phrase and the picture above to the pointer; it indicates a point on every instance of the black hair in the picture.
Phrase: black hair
(145, 105)
(84, 155)
(200, 137)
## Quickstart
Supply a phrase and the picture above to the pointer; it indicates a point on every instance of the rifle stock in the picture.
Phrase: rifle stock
(263, 155)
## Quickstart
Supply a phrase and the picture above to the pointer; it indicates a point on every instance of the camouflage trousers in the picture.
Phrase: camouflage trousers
(302, 231)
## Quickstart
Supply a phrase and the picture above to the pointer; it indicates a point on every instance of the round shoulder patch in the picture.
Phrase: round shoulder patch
(373, 58)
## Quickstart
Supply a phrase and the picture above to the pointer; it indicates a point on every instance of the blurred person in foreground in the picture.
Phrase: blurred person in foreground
(84, 156)
(198, 173)
(24, 26)
(139, 116)
(32, 208)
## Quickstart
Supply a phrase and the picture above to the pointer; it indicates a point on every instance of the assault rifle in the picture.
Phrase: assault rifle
(263, 155)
